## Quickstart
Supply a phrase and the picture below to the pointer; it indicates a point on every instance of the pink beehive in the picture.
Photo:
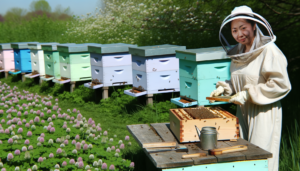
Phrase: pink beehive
(7, 62)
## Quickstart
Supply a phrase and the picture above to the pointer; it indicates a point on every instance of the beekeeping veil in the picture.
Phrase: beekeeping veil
(260, 40)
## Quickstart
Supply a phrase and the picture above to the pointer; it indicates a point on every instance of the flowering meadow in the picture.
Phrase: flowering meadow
(36, 135)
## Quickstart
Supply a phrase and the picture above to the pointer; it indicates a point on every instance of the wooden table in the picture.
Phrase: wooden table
(254, 158)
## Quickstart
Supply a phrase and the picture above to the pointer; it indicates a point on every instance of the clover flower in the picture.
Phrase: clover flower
(33, 127)
(40, 159)
(108, 149)
(10, 141)
(62, 145)
(30, 147)
(78, 146)
(51, 155)
(53, 116)
(72, 161)
(79, 159)
(113, 148)
(74, 142)
(52, 129)
(131, 165)
(39, 144)
(120, 141)
(85, 147)
(66, 142)
(64, 163)
(80, 165)
(24, 148)
(9, 156)
(42, 114)
(17, 152)
(41, 140)
(74, 151)
(126, 138)
(129, 143)
(57, 166)
(68, 130)
(50, 141)
(105, 133)
(34, 167)
(116, 154)
(17, 168)
(77, 137)
(122, 146)
(118, 150)
(104, 166)
(20, 130)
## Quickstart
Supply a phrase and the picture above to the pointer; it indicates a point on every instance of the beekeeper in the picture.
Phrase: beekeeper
(259, 79)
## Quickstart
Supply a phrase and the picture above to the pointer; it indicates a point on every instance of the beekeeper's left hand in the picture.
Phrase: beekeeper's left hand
(240, 98)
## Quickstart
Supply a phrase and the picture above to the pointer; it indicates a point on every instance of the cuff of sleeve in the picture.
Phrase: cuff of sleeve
(227, 88)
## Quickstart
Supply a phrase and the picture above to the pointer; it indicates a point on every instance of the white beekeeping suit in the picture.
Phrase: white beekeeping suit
(262, 73)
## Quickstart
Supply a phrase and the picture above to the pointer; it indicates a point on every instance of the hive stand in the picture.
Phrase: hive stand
(7, 62)
(21, 58)
(37, 60)
(51, 62)
(110, 66)
(200, 70)
(74, 63)
(155, 69)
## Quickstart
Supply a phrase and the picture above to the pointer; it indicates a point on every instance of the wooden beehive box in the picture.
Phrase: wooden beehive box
(111, 65)
(22, 56)
(75, 61)
(200, 70)
(51, 60)
(183, 121)
(37, 58)
(155, 69)
(7, 62)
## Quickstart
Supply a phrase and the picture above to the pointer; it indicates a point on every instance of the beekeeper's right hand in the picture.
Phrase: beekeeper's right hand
(217, 92)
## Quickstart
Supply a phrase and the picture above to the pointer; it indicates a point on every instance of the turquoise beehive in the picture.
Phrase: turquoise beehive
(110, 65)
(200, 70)
(155, 69)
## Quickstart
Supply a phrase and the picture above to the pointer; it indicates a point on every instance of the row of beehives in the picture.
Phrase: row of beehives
(150, 69)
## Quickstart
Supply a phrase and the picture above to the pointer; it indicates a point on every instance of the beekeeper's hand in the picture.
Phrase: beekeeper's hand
(217, 92)
(240, 98)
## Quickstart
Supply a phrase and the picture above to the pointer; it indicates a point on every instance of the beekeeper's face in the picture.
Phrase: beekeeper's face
(242, 31)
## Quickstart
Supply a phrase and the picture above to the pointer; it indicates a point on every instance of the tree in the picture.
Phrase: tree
(40, 5)
(60, 10)
(15, 14)
(1, 18)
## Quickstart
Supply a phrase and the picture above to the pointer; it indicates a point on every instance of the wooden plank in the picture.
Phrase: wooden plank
(159, 144)
(142, 133)
(169, 159)
(164, 131)
(253, 152)
(219, 98)
(234, 156)
(195, 148)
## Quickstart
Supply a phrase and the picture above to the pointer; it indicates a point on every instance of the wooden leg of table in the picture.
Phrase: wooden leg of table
(6, 74)
(72, 86)
(23, 77)
(105, 92)
(149, 99)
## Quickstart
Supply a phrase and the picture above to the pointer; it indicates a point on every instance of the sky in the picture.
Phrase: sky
(78, 7)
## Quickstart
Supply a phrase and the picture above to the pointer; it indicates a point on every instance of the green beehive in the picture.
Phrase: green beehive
(52, 64)
(199, 71)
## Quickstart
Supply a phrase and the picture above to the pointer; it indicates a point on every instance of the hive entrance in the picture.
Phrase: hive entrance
(48, 76)
(34, 72)
(95, 82)
(137, 89)
(185, 99)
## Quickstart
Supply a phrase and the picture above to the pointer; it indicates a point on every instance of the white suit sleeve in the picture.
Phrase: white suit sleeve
(228, 88)
(274, 70)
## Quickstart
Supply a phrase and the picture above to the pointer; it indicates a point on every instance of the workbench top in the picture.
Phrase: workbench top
(160, 132)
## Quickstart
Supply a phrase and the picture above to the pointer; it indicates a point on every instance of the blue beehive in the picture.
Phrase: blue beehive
(155, 69)
(110, 65)
(200, 70)
(21, 57)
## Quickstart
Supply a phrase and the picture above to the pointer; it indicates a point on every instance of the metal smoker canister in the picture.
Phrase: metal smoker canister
(208, 137)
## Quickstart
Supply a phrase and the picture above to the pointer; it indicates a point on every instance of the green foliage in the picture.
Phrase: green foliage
(40, 5)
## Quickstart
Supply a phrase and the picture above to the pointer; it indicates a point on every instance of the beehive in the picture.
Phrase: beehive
(74, 62)
(7, 62)
(110, 65)
(22, 57)
(183, 121)
(155, 69)
(37, 59)
(200, 70)
(51, 61)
